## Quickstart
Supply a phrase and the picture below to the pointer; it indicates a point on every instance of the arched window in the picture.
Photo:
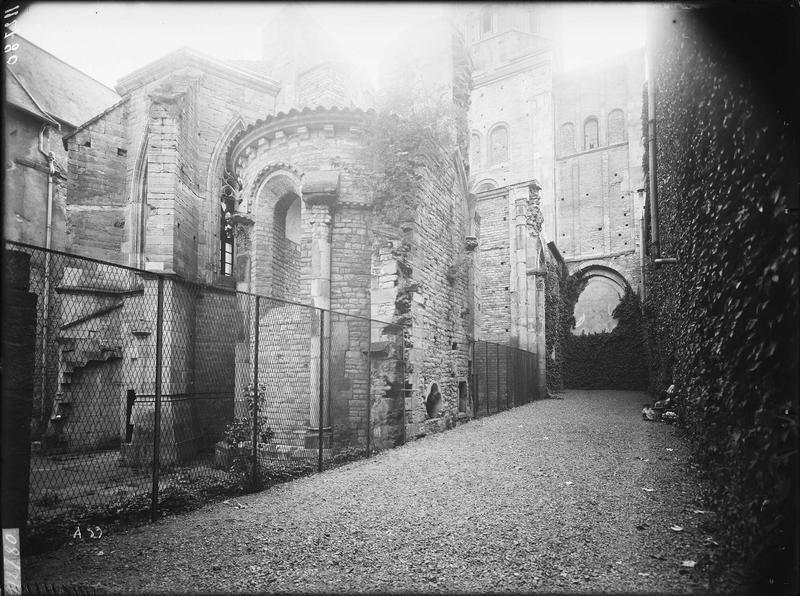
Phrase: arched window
(566, 139)
(498, 145)
(286, 250)
(230, 188)
(590, 134)
(475, 150)
(488, 185)
(616, 127)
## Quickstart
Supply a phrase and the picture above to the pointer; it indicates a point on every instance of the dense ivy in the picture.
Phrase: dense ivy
(722, 323)
(608, 360)
(553, 307)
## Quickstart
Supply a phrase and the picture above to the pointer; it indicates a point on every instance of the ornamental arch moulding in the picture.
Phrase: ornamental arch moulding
(484, 185)
(277, 232)
(222, 187)
(603, 291)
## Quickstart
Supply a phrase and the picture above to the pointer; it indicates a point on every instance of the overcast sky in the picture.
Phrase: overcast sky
(111, 39)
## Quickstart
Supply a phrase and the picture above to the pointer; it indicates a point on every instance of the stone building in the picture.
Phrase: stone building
(259, 176)
(45, 100)
(578, 133)
(255, 176)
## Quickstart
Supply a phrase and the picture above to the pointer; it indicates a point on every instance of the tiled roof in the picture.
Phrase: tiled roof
(17, 96)
(60, 90)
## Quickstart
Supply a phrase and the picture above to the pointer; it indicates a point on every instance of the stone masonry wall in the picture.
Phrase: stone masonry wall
(597, 202)
(176, 138)
(96, 209)
(438, 351)
(495, 265)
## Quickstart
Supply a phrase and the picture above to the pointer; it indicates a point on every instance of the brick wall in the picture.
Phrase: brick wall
(495, 267)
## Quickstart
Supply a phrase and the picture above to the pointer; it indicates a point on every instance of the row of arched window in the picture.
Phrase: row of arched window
(615, 133)
(497, 147)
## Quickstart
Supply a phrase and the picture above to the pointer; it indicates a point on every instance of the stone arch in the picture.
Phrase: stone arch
(217, 244)
(277, 261)
(498, 145)
(591, 133)
(604, 289)
(484, 185)
(286, 257)
(616, 126)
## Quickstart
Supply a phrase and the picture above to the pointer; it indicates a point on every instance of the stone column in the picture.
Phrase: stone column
(320, 193)
(536, 270)
(519, 278)
(242, 235)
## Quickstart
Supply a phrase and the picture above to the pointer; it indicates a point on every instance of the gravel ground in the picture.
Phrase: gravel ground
(546, 497)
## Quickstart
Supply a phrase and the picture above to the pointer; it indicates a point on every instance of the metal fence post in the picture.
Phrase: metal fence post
(497, 372)
(157, 414)
(486, 373)
(508, 393)
(321, 385)
(257, 325)
(369, 386)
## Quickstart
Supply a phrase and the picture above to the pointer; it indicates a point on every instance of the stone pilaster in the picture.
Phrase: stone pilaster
(320, 193)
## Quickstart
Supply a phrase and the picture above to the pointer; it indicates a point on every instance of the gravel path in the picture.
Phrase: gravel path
(545, 497)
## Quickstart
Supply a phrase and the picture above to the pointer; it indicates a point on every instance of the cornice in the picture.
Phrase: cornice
(294, 123)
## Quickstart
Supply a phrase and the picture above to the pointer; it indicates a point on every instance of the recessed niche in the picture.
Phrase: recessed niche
(433, 402)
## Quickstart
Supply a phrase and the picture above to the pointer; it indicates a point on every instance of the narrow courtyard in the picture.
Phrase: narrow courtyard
(573, 495)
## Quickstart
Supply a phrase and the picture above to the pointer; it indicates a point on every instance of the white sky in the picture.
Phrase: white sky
(111, 39)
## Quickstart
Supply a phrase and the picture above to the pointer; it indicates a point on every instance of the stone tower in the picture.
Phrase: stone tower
(577, 133)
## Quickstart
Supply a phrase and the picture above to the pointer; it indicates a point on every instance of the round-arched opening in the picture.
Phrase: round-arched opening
(595, 306)
(433, 402)
(286, 232)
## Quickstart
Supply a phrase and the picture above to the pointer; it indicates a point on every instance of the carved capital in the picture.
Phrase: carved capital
(533, 212)
(470, 243)
(242, 225)
(321, 187)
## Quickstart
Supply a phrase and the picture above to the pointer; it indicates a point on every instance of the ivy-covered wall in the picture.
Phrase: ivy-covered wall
(722, 321)
(553, 323)
(608, 360)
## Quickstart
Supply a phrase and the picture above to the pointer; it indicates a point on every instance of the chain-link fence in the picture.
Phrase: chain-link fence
(246, 390)
(502, 377)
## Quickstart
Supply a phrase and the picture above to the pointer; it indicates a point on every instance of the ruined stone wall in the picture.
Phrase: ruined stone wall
(495, 267)
(438, 351)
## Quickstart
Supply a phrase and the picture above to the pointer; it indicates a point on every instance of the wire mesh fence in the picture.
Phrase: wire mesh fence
(503, 377)
(244, 390)
(132, 393)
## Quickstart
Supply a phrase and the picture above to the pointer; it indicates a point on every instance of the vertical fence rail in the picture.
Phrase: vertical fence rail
(321, 387)
(256, 392)
(486, 374)
(369, 390)
(157, 413)
(497, 372)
